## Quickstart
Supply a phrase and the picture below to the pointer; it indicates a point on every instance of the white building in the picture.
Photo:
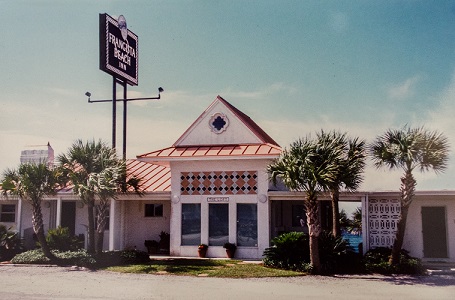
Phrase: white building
(211, 187)
(38, 154)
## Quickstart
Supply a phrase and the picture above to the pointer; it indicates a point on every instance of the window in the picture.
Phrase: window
(191, 224)
(154, 210)
(218, 224)
(247, 225)
(8, 213)
(298, 215)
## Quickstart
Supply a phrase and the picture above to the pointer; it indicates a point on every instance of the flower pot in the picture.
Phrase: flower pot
(202, 252)
(230, 253)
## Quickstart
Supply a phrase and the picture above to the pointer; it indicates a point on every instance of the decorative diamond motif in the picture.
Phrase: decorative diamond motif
(218, 183)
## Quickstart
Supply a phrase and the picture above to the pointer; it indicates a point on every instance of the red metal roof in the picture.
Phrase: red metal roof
(154, 178)
(250, 150)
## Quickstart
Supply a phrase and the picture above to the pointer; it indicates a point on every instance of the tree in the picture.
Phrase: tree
(85, 165)
(32, 182)
(310, 167)
(98, 175)
(350, 163)
(409, 149)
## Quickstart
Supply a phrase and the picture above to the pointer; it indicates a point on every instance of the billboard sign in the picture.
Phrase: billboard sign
(118, 49)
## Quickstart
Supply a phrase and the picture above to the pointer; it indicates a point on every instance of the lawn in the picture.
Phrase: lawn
(205, 267)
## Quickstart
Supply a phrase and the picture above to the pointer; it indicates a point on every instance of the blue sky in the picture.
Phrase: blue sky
(294, 67)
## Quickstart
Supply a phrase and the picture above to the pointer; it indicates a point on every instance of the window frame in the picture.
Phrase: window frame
(156, 212)
(7, 214)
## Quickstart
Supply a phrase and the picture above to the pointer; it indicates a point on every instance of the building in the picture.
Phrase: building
(38, 154)
(211, 186)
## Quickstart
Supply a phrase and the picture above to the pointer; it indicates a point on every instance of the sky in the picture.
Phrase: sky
(295, 67)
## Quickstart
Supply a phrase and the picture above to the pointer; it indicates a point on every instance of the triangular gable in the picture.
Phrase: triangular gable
(223, 124)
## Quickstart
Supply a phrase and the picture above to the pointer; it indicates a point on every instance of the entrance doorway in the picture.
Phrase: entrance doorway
(69, 216)
(434, 232)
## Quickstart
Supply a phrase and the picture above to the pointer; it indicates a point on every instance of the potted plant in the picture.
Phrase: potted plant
(202, 250)
(230, 249)
(152, 246)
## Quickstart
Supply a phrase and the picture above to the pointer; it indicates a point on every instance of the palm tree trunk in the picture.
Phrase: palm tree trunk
(335, 195)
(314, 230)
(399, 237)
(91, 227)
(101, 219)
(407, 189)
(38, 228)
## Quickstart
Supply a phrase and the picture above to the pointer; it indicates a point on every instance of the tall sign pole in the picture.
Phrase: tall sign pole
(119, 57)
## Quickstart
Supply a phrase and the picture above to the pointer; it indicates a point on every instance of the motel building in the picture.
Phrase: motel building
(211, 186)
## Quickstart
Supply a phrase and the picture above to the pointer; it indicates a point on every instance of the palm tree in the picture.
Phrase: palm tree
(32, 182)
(409, 149)
(350, 163)
(308, 166)
(83, 163)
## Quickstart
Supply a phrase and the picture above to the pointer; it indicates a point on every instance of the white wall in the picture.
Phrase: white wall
(220, 165)
(413, 241)
(138, 228)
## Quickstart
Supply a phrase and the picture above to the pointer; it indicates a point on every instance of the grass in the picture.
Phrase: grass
(205, 267)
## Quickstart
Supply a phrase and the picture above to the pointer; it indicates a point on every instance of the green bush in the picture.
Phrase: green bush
(10, 244)
(337, 256)
(289, 251)
(31, 257)
(60, 239)
(78, 258)
(377, 261)
(117, 258)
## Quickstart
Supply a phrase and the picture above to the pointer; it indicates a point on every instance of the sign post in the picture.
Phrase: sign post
(119, 57)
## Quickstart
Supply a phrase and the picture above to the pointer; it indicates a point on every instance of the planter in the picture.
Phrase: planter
(230, 253)
(202, 252)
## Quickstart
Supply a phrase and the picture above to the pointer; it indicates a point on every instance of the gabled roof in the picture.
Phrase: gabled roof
(260, 134)
(246, 140)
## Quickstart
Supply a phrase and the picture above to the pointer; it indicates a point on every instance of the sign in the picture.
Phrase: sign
(217, 199)
(118, 49)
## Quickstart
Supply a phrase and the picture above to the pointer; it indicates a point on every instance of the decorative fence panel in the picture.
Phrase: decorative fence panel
(382, 215)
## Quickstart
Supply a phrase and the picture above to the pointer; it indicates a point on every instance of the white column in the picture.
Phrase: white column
(58, 220)
(112, 229)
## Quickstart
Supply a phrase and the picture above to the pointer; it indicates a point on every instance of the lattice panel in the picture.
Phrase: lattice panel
(383, 216)
(219, 183)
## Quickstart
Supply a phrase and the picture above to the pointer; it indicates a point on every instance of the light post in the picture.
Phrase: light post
(114, 108)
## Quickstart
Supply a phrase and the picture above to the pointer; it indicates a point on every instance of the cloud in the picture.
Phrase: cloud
(404, 89)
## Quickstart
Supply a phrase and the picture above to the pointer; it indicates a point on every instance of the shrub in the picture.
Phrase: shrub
(60, 239)
(31, 257)
(337, 256)
(377, 261)
(117, 258)
(79, 258)
(289, 251)
(10, 244)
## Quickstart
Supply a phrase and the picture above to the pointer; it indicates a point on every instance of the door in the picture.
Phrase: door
(69, 216)
(434, 232)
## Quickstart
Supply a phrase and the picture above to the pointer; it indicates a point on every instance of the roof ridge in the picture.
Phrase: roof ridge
(255, 128)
